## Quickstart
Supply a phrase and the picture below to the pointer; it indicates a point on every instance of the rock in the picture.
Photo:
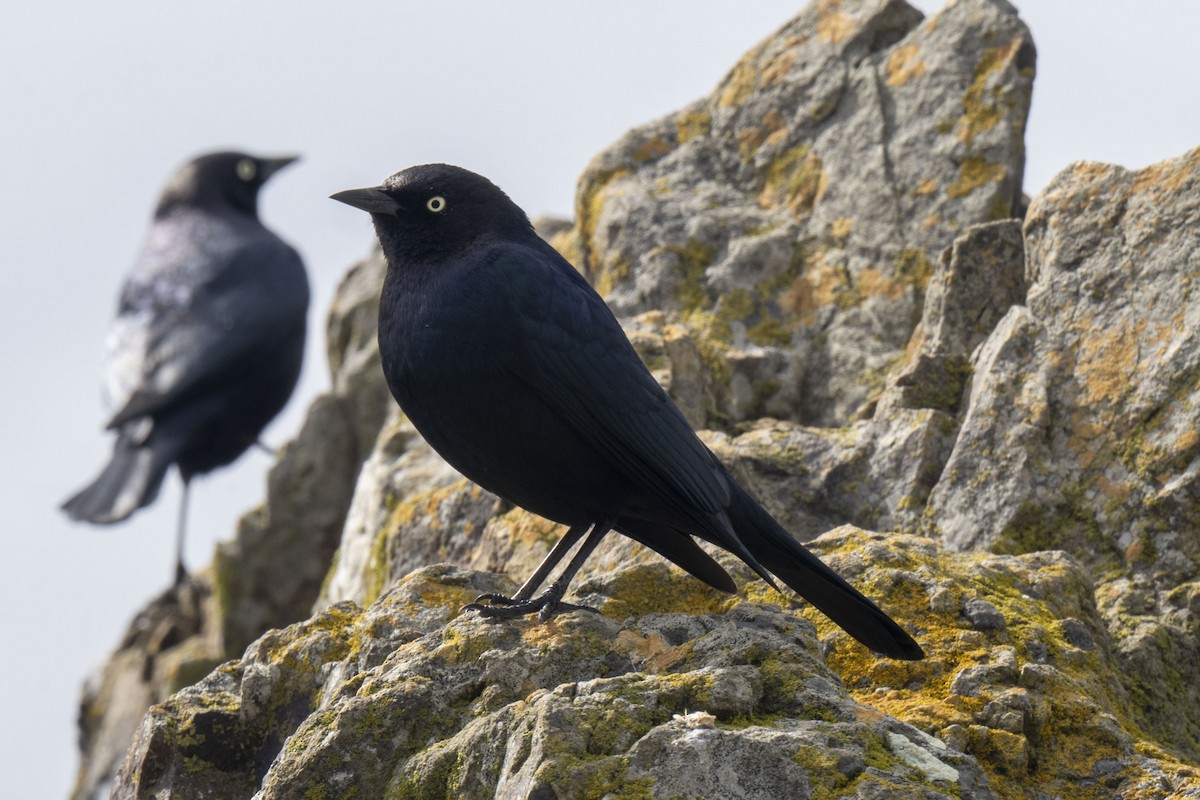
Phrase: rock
(258, 587)
(878, 473)
(702, 696)
(874, 474)
(1080, 431)
(827, 239)
(791, 219)
(166, 648)
(352, 349)
(268, 575)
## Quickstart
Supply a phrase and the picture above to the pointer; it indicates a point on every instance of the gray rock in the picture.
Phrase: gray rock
(769, 250)
(352, 349)
(792, 217)
(164, 649)
(270, 573)
(1081, 428)
(701, 697)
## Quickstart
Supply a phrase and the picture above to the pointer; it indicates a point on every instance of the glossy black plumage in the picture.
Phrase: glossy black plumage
(208, 340)
(517, 373)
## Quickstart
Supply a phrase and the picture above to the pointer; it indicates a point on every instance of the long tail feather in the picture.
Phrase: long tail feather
(679, 548)
(131, 480)
(814, 581)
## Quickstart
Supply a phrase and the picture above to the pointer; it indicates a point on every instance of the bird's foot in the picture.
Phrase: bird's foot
(545, 605)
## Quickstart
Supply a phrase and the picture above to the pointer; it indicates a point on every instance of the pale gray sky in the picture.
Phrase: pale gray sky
(102, 100)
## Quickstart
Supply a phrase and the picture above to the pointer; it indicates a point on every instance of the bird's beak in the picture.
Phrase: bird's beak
(373, 200)
(270, 166)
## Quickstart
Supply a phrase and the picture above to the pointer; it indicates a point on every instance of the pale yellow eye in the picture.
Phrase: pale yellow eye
(247, 169)
(436, 204)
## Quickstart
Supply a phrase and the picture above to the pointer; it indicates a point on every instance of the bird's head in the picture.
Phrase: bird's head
(226, 180)
(437, 210)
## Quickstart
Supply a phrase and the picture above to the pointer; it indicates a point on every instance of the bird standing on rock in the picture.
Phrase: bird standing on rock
(208, 340)
(517, 373)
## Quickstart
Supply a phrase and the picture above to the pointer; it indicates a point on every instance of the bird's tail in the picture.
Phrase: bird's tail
(792, 563)
(130, 480)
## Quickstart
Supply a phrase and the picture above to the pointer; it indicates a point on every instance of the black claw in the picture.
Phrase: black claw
(545, 606)
(495, 599)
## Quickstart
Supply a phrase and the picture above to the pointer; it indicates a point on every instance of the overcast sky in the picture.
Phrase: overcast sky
(100, 101)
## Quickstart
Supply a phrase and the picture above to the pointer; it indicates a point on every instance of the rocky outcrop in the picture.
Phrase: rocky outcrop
(1081, 432)
(674, 690)
(792, 217)
(829, 238)
(270, 573)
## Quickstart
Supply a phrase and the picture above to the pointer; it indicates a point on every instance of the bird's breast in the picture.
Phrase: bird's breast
(494, 428)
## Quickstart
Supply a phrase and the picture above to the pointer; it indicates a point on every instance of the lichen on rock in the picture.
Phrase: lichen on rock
(821, 264)
(832, 160)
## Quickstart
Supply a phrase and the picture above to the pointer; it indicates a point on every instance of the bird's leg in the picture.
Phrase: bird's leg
(549, 602)
(551, 560)
(181, 574)
(266, 448)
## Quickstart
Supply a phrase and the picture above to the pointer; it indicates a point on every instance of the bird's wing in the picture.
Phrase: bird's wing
(575, 355)
(180, 326)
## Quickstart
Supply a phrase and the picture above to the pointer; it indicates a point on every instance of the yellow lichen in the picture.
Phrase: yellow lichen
(748, 142)
(652, 148)
(691, 124)
(841, 228)
(836, 27)
(904, 64)
(794, 180)
(974, 172)
(589, 206)
(981, 111)
(739, 84)
(777, 125)
(776, 70)
(925, 187)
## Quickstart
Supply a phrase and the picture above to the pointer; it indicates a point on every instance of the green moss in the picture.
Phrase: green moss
(225, 571)
(589, 204)
(942, 390)
(439, 781)
(682, 691)
(914, 267)
(1001, 207)
(656, 588)
(736, 305)
(378, 566)
(330, 573)
(1069, 524)
(762, 393)
(606, 778)
(316, 792)
(770, 332)
(825, 780)
(191, 672)
(711, 336)
(692, 261)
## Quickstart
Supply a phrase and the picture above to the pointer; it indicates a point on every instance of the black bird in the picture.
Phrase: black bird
(517, 373)
(208, 340)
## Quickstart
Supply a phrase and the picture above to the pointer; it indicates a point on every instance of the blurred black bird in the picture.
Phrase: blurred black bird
(208, 340)
(517, 373)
